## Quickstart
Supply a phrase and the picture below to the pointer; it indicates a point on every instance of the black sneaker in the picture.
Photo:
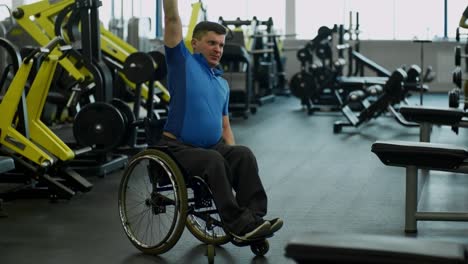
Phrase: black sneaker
(275, 224)
(261, 230)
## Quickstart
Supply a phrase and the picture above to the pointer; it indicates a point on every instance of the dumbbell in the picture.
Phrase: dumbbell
(458, 34)
(374, 90)
(457, 77)
(454, 97)
(457, 95)
(459, 55)
(356, 95)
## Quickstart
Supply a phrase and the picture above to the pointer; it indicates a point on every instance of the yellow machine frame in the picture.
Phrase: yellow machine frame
(42, 140)
(41, 29)
(198, 14)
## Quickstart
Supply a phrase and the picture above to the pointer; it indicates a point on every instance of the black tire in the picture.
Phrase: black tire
(260, 248)
(153, 198)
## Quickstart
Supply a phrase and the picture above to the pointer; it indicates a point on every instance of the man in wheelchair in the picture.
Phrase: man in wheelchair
(198, 132)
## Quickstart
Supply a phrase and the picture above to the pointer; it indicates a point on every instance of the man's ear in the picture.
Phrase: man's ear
(194, 43)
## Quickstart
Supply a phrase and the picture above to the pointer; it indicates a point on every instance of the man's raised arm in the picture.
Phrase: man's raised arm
(172, 24)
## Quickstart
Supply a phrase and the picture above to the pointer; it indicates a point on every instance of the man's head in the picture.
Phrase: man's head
(208, 39)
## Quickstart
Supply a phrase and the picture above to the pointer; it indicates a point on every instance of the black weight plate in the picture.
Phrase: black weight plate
(127, 114)
(100, 125)
(302, 85)
(139, 67)
(303, 55)
(124, 109)
(161, 68)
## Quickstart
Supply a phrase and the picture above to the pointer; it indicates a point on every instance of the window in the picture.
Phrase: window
(244, 9)
(5, 9)
(141, 8)
(383, 19)
(454, 13)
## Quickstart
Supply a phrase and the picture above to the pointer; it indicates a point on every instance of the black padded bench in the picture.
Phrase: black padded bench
(428, 116)
(363, 60)
(416, 156)
(377, 249)
(359, 82)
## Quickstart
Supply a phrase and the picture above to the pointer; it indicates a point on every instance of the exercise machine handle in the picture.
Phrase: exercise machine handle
(46, 49)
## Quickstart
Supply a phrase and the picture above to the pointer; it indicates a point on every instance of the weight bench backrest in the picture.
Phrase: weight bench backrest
(235, 53)
(380, 70)
(420, 154)
(237, 38)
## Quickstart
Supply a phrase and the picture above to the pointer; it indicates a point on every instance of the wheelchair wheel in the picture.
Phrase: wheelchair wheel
(153, 201)
(260, 248)
(203, 220)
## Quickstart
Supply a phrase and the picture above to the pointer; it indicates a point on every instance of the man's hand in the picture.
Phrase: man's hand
(228, 136)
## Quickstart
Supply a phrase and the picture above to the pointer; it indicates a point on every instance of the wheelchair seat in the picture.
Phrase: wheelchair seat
(157, 195)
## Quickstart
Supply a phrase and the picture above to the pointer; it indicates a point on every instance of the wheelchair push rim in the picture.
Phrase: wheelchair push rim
(153, 202)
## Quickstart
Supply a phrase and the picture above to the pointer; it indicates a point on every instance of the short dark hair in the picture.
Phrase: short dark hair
(205, 26)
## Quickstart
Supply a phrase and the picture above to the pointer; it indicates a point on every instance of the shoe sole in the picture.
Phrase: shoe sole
(276, 226)
(261, 231)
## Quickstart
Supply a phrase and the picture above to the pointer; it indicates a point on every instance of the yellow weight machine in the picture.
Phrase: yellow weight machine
(36, 143)
(198, 14)
(39, 21)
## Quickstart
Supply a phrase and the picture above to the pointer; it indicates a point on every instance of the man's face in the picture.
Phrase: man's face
(210, 46)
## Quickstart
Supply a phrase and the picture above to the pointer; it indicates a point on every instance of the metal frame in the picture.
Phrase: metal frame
(412, 195)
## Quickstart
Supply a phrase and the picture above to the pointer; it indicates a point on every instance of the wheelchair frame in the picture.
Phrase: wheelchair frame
(166, 195)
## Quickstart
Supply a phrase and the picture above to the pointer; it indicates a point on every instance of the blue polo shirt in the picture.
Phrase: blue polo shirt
(199, 98)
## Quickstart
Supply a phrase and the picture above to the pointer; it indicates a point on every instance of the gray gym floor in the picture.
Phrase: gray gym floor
(315, 180)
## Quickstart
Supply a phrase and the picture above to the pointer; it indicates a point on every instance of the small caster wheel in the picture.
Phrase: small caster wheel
(310, 112)
(253, 110)
(260, 248)
(210, 253)
(336, 128)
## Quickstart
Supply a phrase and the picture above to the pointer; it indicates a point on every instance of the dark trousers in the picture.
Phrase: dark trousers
(226, 169)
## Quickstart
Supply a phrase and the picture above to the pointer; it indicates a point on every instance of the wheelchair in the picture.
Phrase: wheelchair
(156, 201)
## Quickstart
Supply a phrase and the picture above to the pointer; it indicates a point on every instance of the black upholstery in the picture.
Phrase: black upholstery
(433, 115)
(237, 38)
(420, 154)
(380, 70)
(360, 81)
(237, 53)
(363, 248)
